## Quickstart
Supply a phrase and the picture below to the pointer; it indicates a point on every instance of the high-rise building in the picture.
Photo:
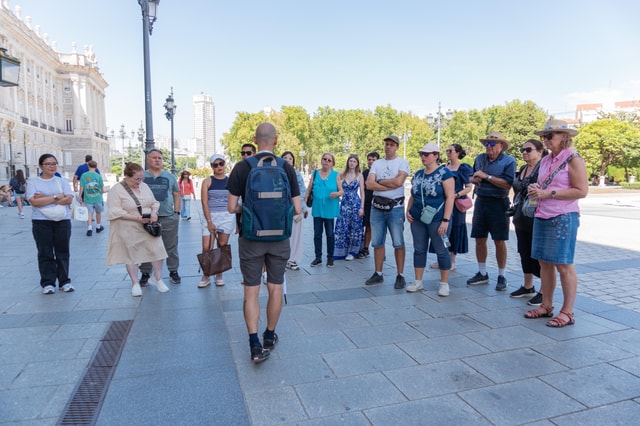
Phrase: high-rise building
(204, 125)
(58, 106)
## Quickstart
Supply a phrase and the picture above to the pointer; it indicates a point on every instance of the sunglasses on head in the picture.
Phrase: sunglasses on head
(246, 153)
(492, 143)
(527, 150)
(218, 164)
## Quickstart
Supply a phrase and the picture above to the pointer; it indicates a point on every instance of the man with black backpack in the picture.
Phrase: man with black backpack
(269, 201)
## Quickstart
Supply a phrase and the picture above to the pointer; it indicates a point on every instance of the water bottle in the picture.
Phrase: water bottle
(446, 241)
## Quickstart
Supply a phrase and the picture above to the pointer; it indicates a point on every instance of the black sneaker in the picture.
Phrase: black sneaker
(144, 279)
(89, 233)
(522, 292)
(535, 300)
(400, 282)
(259, 354)
(330, 262)
(99, 229)
(174, 278)
(478, 278)
(502, 283)
(364, 253)
(376, 278)
(269, 344)
(316, 262)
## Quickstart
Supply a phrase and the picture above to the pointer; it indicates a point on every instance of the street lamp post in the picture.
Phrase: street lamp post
(140, 139)
(123, 135)
(439, 124)
(149, 12)
(302, 154)
(405, 139)
(170, 108)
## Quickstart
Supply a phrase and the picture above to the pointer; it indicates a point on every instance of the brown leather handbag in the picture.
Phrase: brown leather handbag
(215, 260)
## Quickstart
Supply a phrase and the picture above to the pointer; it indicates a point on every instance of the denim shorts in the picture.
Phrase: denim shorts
(554, 240)
(381, 221)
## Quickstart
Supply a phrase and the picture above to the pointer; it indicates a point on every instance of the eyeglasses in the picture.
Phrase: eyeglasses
(219, 164)
(548, 136)
(527, 150)
(244, 153)
(449, 151)
(50, 164)
(328, 159)
(491, 144)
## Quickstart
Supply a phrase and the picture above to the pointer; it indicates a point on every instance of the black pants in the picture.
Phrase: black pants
(529, 265)
(52, 241)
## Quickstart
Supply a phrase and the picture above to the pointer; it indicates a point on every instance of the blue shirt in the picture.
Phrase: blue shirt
(427, 190)
(503, 167)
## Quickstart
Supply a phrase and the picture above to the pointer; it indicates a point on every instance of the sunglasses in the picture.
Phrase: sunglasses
(548, 136)
(527, 150)
(327, 159)
(246, 153)
(426, 154)
(492, 144)
(218, 164)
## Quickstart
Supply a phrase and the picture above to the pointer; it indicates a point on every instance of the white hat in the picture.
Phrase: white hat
(215, 157)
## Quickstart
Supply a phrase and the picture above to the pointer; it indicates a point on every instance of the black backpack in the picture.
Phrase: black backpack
(267, 208)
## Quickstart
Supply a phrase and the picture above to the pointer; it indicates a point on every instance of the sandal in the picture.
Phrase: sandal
(559, 321)
(541, 312)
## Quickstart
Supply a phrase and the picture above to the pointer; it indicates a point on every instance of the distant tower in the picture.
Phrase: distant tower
(204, 125)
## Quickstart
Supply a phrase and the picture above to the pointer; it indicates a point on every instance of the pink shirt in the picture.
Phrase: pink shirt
(552, 207)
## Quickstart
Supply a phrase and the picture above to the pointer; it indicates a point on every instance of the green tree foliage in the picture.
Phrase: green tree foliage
(609, 142)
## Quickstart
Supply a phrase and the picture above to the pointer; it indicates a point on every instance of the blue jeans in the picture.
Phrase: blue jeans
(381, 220)
(52, 241)
(421, 235)
(185, 207)
(328, 224)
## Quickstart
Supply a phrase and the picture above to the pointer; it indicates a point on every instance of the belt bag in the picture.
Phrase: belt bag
(384, 203)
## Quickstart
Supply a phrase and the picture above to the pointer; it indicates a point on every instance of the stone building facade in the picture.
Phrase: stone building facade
(58, 106)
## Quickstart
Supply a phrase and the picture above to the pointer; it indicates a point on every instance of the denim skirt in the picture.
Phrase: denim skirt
(554, 239)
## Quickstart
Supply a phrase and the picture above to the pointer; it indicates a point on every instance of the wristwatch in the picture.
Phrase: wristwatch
(553, 194)
(489, 177)
(176, 212)
(445, 219)
(55, 197)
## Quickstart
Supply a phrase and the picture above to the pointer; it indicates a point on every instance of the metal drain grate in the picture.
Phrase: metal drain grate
(89, 394)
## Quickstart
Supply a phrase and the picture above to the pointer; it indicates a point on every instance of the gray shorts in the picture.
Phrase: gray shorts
(254, 254)
(95, 208)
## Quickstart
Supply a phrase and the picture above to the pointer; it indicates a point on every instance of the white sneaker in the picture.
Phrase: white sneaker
(67, 288)
(160, 285)
(48, 289)
(349, 257)
(443, 291)
(416, 286)
(204, 282)
(21, 215)
(136, 290)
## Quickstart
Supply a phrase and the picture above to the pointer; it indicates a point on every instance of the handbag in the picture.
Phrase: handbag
(463, 203)
(529, 206)
(55, 212)
(428, 212)
(80, 213)
(153, 228)
(215, 260)
(310, 197)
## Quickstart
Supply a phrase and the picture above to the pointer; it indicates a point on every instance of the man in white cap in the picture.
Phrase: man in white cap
(493, 175)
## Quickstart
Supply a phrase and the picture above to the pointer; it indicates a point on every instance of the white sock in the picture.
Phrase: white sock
(482, 267)
(501, 271)
(89, 228)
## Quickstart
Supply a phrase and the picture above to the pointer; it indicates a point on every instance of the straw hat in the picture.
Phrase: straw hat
(556, 126)
(496, 137)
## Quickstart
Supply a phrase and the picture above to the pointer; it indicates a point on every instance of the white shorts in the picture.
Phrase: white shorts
(225, 222)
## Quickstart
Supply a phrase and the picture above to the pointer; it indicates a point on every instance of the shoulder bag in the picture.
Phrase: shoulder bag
(463, 203)
(215, 260)
(529, 206)
(428, 212)
(310, 197)
(153, 228)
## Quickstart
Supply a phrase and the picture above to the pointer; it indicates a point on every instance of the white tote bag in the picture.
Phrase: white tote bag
(81, 213)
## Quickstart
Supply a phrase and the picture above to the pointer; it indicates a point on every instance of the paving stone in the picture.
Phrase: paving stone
(446, 326)
(369, 360)
(619, 414)
(578, 353)
(445, 348)
(508, 366)
(382, 334)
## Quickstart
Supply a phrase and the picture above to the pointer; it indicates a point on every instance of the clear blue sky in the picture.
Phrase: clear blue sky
(352, 54)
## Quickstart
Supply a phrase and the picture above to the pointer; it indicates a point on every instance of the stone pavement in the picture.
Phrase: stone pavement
(348, 354)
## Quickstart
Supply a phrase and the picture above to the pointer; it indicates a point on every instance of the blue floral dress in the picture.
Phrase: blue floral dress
(348, 232)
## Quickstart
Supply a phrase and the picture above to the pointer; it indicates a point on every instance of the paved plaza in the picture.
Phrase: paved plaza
(348, 354)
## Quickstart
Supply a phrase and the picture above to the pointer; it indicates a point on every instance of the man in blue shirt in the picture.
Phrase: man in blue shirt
(82, 168)
(493, 175)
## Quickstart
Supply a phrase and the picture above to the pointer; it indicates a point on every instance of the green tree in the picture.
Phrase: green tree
(608, 142)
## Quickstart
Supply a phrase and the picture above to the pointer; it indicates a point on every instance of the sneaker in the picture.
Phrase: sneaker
(535, 300)
(188, 217)
(443, 291)
(502, 283)
(204, 282)
(416, 286)
(67, 288)
(160, 285)
(48, 289)
(316, 262)
(434, 265)
(349, 257)
(259, 354)
(144, 279)
(376, 278)
(330, 262)
(292, 265)
(21, 215)
(89, 233)
(400, 282)
(478, 278)
(136, 291)
(269, 344)
(99, 229)
(174, 277)
(364, 253)
(522, 292)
